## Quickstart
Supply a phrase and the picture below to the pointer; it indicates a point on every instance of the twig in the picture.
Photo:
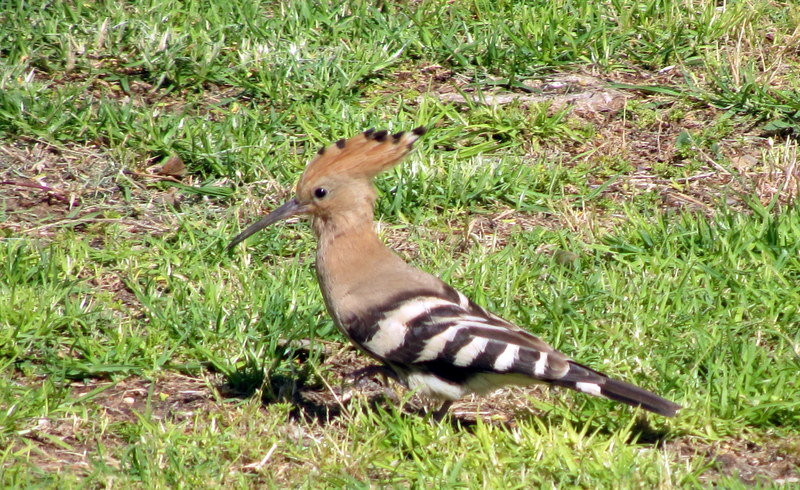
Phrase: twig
(12, 155)
(789, 173)
(329, 388)
(52, 192)
(260, 464)
(94, 220)
(695, 177)
(688, 199)
(152, 176)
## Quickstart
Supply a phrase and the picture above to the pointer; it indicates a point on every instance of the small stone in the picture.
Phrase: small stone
(565, 257)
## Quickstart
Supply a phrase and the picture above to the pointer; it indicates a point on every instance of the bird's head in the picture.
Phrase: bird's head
(339, 178)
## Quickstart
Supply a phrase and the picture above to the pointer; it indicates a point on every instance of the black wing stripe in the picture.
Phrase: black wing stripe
(588, 381)
(526, 360)
(393, 329)
(451, 349)
(502, 334)
(486, 359)
(416, 340)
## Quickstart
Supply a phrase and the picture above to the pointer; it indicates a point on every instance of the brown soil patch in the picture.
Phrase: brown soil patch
(744, 161)
(584, 95)
(71, 443)
(760, 461)
(764, 460)
(426, 78)
(45, 188)
(746, 164)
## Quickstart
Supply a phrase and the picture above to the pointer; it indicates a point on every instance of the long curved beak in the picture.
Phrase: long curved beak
(288, 209)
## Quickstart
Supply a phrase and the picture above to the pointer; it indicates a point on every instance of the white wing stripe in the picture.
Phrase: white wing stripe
(468, 320)
(435, 345)
(469, 352)
(541, 365)
(393, 328)
(507, 358)
(590, 388)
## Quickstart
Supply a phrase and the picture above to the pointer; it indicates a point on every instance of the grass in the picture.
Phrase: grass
(657, 241)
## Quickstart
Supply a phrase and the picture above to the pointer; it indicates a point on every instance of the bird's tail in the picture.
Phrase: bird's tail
(587, 380)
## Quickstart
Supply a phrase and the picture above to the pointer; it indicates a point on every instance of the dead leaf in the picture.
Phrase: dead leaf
(174, 167)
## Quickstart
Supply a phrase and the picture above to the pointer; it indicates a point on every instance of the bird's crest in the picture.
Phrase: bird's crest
(362, 156)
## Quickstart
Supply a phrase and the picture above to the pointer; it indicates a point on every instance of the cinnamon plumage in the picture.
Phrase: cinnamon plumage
(424, 333)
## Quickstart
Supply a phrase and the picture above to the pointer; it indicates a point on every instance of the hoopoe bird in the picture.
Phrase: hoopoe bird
(426, 335)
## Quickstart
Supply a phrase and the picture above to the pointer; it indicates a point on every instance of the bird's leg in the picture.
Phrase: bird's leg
(385, 372)
(359, 375)
(439, 414)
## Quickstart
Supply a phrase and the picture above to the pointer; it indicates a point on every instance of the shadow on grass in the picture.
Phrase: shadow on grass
(647, 429)
(311, 398)
(315, 401)
(642, 433)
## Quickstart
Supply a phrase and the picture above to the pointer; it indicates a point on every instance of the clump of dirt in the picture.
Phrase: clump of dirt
(760, 461)
(584, 95)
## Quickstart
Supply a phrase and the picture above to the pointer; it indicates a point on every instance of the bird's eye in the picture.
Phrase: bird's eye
(320, 192)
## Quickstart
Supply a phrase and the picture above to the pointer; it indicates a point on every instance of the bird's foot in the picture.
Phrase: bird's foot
(438, 415)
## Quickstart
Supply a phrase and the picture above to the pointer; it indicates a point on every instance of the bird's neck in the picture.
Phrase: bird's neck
(349, 253)
(347, 244)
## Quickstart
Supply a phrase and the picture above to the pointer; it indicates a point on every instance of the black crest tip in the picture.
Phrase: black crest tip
(380, 135)
(340, 144)
(368, 133)
(419, 131)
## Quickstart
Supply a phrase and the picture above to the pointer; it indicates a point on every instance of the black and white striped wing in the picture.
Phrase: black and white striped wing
(455, 340)
(447, 347)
